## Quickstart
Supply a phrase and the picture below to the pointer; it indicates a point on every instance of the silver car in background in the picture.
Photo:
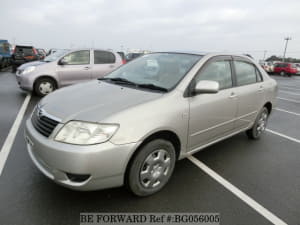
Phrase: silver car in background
(65, 67)
(131, 126)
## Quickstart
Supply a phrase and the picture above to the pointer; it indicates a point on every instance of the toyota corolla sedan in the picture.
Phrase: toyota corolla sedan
(131, 126)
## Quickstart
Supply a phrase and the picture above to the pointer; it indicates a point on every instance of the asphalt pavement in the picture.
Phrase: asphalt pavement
(266, 170)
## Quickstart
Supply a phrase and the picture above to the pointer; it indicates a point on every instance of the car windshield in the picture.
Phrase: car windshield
(163, 70)
(54, 56)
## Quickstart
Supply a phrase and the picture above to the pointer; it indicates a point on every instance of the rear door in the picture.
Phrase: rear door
(77, 68)
(104, 62)
(212, 116)
(249, 90)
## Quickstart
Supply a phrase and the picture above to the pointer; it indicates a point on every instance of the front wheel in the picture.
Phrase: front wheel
(259, 125)
(44, 86)
(151, 168)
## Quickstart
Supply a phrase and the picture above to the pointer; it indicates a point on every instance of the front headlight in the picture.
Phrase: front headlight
(28, 69)
(85, 133)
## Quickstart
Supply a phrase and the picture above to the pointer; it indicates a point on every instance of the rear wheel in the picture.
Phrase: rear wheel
(259, 125)
(151, 168)
(282, 73)
(44, 86)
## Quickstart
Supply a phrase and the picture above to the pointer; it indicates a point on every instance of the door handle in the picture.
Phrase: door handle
(112, 66)
(87, 68)
(261, 88)
(232, 95)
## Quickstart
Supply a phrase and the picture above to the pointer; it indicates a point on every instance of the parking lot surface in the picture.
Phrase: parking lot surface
(267, 171)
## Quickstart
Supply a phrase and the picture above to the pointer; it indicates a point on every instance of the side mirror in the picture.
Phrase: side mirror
(62, 61)
(206, 87)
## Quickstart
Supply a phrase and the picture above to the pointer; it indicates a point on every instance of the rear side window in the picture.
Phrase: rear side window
(103, 57)
(219, 71)
(245, 73)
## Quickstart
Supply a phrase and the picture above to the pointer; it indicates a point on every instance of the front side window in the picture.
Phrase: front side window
(54, 56)
(160, 69)
(103, 57)
(245, 73)
(78, 58)
(219, 71)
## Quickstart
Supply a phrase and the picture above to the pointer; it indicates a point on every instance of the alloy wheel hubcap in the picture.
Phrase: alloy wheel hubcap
(155, 169)
(262, 123)
(46, 88)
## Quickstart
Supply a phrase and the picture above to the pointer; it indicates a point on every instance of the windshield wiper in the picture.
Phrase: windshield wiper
(118, 80)
(153, 87)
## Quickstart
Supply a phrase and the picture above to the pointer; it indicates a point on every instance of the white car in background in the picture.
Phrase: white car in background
(268, 67)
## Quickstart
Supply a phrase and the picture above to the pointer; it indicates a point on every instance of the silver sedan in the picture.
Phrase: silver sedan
(131, 126)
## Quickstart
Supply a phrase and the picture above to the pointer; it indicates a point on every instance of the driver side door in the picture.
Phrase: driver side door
(76, 68)
(212, 116)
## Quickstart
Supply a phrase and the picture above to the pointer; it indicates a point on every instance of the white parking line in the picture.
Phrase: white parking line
(296, 89)
(289, 100)
(283, 110)
(12, 133)
(283, 135)
(244, 197)
(289, 93)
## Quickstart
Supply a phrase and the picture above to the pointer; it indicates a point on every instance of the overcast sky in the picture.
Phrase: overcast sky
(158, 25)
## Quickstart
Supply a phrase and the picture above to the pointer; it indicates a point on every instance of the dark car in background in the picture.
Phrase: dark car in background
(5, 56)
(285, 69)
(23, 54)
(131, 56)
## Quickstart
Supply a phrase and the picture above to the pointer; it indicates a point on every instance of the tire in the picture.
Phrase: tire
(259, 125)
(44, 86)
(14, 68)
(151, 168)
(282, 73)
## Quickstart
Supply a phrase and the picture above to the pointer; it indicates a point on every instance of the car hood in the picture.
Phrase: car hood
(93, 101)
(34, 63)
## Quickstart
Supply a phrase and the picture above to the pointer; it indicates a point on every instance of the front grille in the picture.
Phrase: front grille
(42, 123)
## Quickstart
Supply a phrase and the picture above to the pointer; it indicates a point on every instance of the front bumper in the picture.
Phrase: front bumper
(104, 163)
(24, 82)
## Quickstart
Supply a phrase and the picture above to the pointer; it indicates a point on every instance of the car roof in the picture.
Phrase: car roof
(95, 49)
(210, 54)
(24, 46)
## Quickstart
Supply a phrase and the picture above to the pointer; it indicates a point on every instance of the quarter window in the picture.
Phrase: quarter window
(219, 71)
(258, 76)
(103, 57)
(245, 73)
(78, 58)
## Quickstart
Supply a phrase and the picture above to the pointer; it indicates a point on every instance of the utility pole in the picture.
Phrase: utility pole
(265, 52)
(287, 39)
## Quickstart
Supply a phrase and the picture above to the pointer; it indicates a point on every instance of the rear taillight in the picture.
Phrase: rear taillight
(34, 51)
(123, 61)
